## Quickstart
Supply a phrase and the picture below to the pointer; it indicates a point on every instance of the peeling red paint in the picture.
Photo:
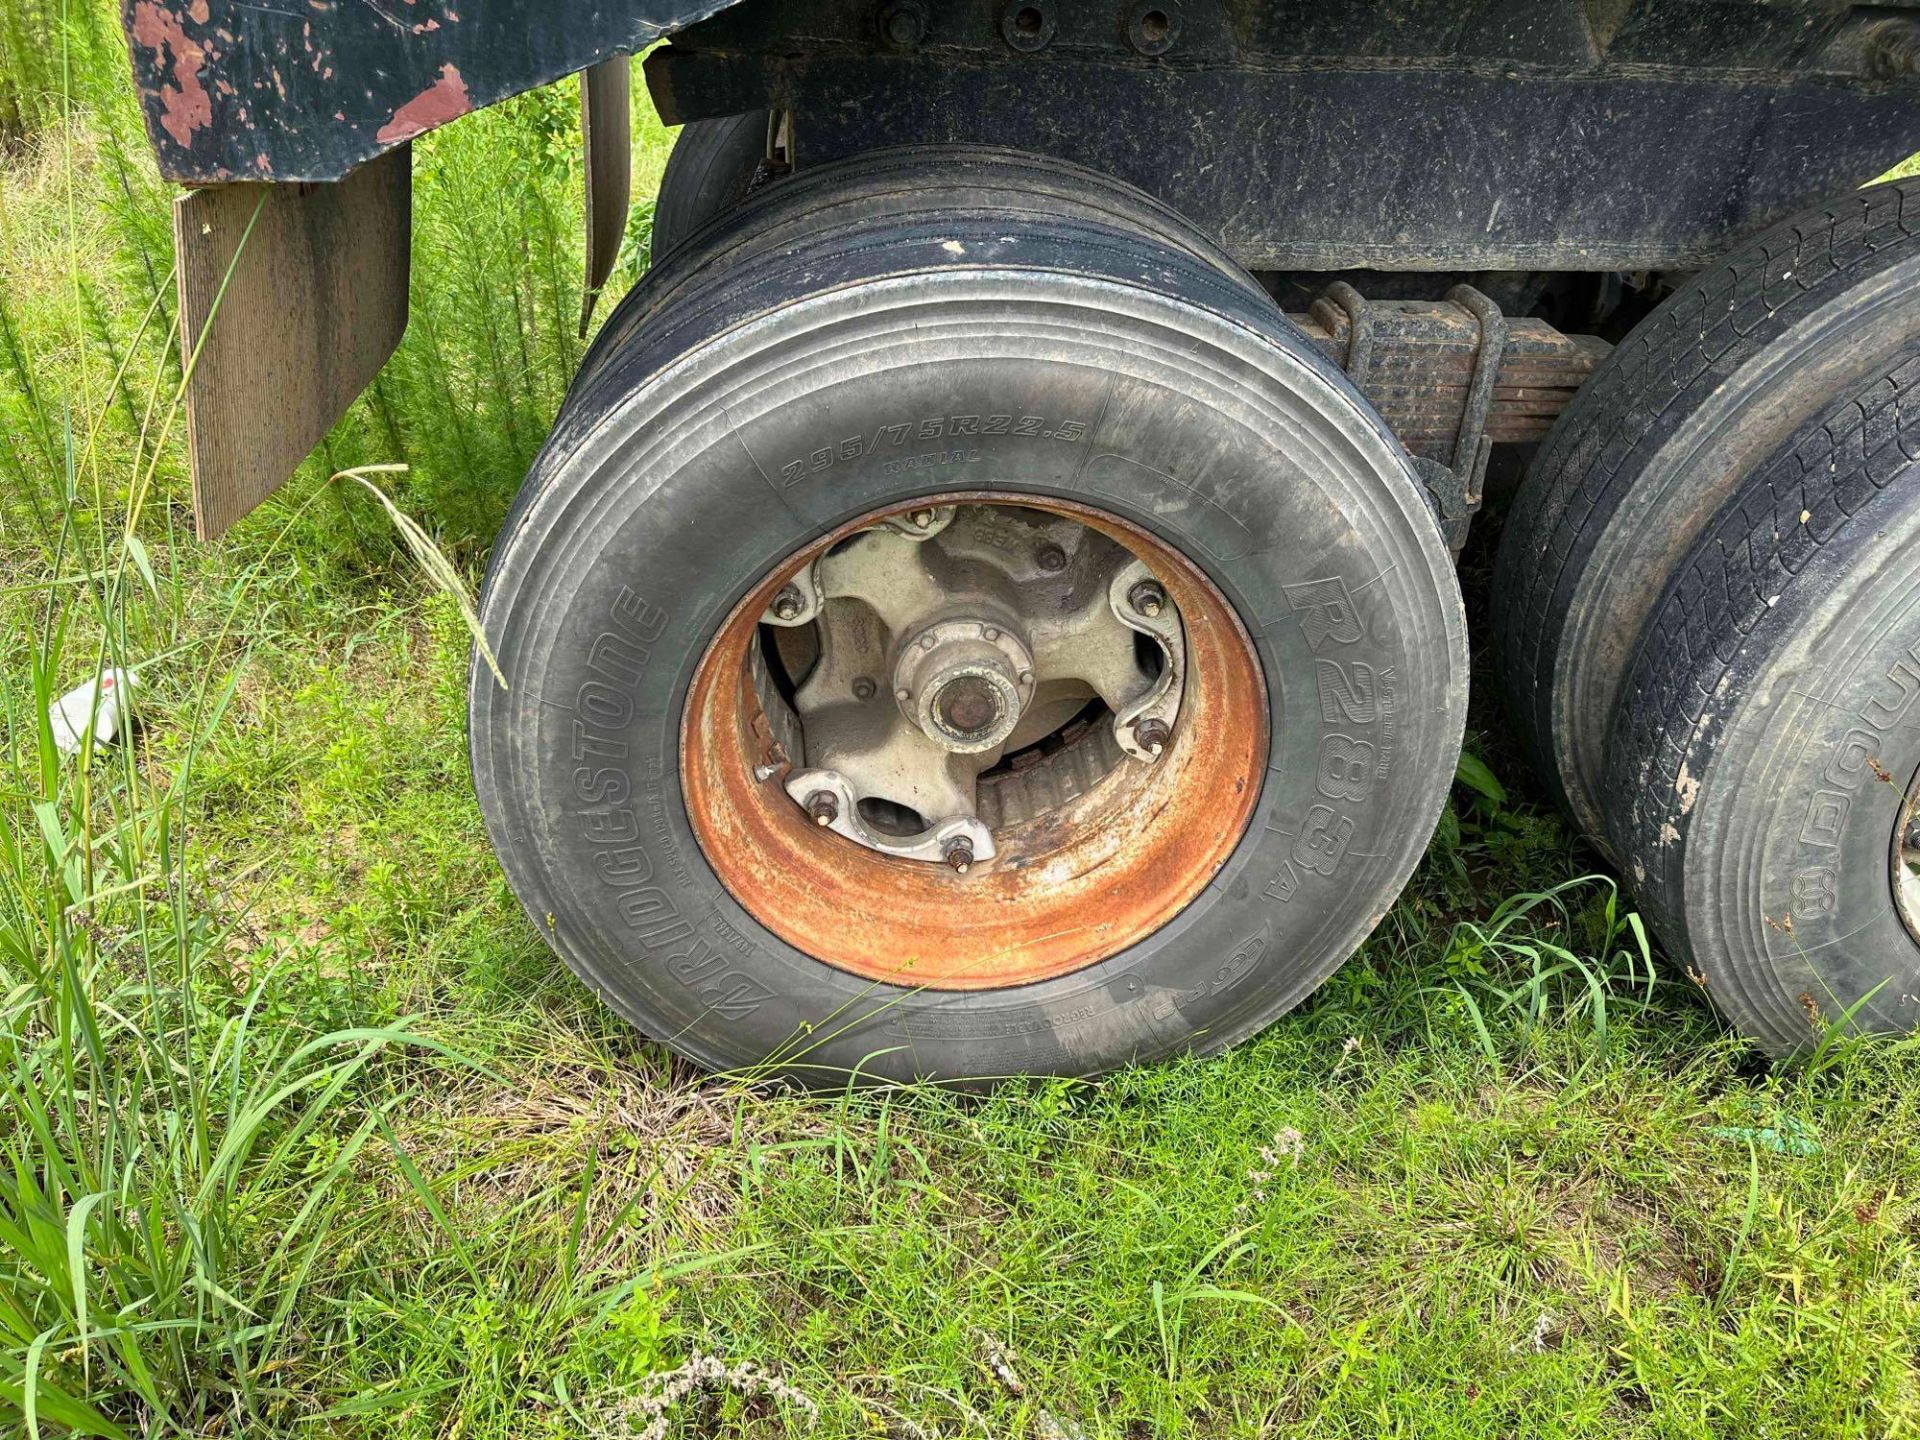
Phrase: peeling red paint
(184, 105)
(198, 10)
(444, 100)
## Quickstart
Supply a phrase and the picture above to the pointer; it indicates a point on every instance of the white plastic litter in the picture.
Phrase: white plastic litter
(105, 703)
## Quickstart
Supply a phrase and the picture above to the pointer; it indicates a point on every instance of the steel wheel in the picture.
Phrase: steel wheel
(975, 742)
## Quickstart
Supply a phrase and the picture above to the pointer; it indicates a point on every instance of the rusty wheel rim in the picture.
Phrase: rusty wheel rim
(1067, 889)
(1904, 860)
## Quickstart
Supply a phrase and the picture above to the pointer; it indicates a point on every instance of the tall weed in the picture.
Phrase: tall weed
(176, 1137)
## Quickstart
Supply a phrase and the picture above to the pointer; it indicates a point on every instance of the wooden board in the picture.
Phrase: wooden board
(606, 135)
(281, 334)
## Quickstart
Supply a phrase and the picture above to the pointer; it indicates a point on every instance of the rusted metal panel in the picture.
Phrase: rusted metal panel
(291, 299)
(1416, 98)
(236, 90)
(606, 137)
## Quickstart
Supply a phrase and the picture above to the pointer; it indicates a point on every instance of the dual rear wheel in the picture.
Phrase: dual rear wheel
(1708, 620)
(958, 628)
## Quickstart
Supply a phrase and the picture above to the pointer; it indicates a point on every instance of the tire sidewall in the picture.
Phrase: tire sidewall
(1787, 864)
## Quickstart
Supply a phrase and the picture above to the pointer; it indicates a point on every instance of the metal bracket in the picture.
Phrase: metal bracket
(1135, 725)
(1358, 361)
(1473, 449)
(921, 524)
(1452, 502)
(1401, 339)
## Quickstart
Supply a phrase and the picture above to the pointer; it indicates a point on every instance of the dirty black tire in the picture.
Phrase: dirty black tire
(1768, 735)
(709, 170)
(1659, 439)
(751, 414)
(894, 183)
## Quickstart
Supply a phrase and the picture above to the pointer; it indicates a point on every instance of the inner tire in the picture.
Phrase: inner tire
(881, 187)
(1660, 438)
(762, 407)
(709, 170)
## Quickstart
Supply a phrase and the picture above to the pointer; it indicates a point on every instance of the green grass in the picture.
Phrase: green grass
(303, 1131)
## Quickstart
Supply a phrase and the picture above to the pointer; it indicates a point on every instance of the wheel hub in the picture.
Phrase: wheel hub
(965, 683)
(995, 626)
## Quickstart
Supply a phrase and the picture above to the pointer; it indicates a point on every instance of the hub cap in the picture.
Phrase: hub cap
(976, 743)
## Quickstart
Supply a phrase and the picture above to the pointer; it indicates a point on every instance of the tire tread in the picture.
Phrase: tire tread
(1644, 391)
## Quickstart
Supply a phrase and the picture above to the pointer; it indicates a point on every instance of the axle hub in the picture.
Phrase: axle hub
(965, 683)
(1014, 643)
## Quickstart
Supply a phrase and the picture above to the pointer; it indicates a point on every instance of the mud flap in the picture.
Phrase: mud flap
(606, 137)
(291, 299)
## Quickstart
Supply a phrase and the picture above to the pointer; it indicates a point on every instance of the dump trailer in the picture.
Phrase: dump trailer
(988, 603)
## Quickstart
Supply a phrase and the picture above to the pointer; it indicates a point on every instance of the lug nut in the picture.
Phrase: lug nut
(788, 604)
(1153, 736)
(1050, 558)
(1148, 598)
(824, 807)
(921, 519)
(958, 854)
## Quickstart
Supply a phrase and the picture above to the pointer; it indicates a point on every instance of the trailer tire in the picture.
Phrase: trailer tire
(1763, 762)
(763, 410)
(1657, 441)
(894, 183)
(710, 170)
